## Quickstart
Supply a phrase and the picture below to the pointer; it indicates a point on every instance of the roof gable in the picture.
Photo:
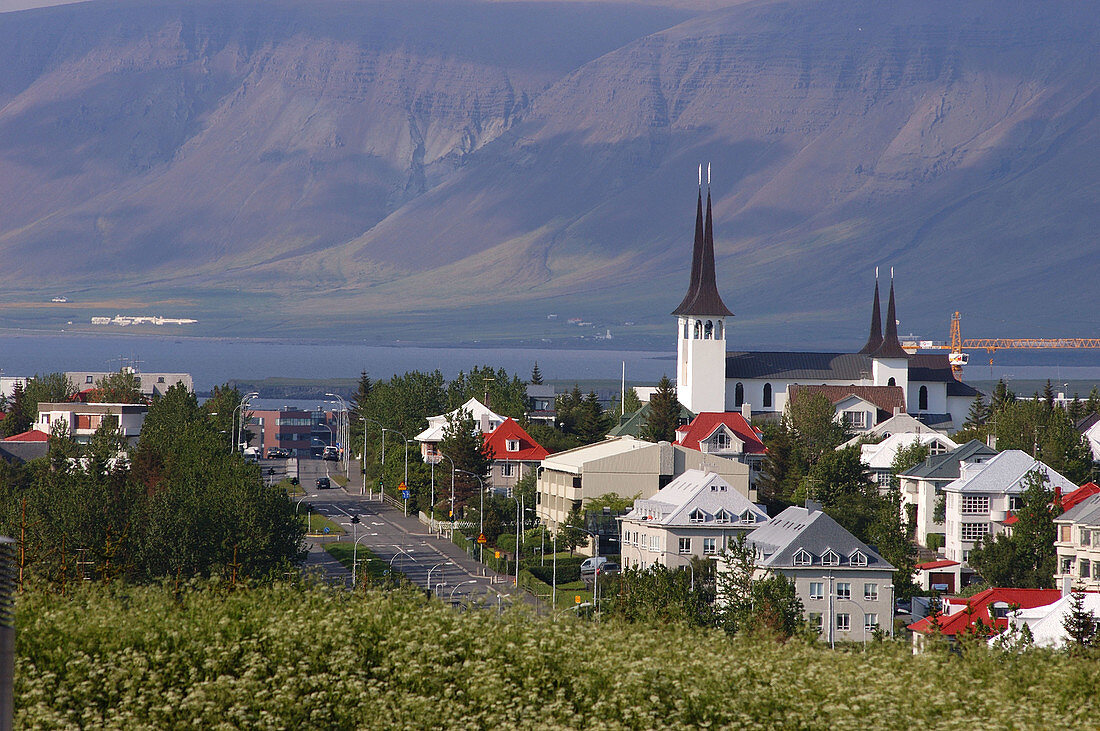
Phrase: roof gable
(497, 440)
(697, 498)
(816, 533)
(703, 427)
(960, 620)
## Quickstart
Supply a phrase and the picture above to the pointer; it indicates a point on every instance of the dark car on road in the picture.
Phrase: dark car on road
(277, 453)
(323, 483)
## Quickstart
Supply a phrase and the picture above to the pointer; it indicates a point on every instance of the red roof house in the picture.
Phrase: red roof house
(514, 453)
(29, 436)
(1066, 501)
(710, 430)
(990, 606)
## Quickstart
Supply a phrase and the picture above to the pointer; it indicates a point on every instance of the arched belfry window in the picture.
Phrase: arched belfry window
(708, 330)
(718, 330)
(891, 382)
(739, 394)
(767, 395)
(922, 398)
(698, 329)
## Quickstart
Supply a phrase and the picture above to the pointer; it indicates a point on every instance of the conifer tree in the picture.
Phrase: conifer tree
(664, 413)
(978, 414)
(1048, 394)
(1092, 406)
(536, 375)
(1002, 397)
(1080, 625)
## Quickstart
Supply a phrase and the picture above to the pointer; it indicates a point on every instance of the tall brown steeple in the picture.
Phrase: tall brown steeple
(891, 346)
(875, 338)
(702, 297)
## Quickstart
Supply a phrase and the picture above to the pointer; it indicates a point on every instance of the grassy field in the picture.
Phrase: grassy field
(317, 524)
(369, 564)
(292, 656)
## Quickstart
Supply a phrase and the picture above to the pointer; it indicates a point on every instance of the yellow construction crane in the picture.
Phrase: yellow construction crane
(958, 347)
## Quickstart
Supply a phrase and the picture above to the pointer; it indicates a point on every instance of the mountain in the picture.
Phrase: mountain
(463, 169)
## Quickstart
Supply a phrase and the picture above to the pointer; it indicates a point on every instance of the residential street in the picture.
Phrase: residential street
(402, 541)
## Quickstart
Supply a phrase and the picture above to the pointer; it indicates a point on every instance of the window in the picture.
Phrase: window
(88, 379)
(1084, 569)
(654, 543)
(1066, 532)
(973, 531)
(859, 558)
(697, 516)
(830, 558)
(1096, 569)
(748, 517)
(160, 379)
(1067, 564)
(870, 622)
(975, 504)
(685, 545)
(856, 419)
(723, 516)
(1085, 537)
(817, 622)
(803, 558)
(511, 445)
(937, 447)
(767, 395)
(507, 469)
(891, 382)
(739, 394)
(710, 545)
(698, 329)
(1014, 502)
(922, 399)
(844, 622)
(817, 590)
(843, 590)
(720, 440)
(708, 330)
(870, 592)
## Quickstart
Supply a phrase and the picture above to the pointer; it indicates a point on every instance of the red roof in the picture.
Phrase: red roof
(705, 424)
(29, 436)
(1087, 490)
(951, 625)
(529, 449)
(941, 564)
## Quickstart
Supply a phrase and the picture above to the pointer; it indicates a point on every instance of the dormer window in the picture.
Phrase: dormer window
(859, 558)
(720, 440)
(830, 558)
(803, 558)
(697, 516)
(511, 445)
(748, 517)
(723, 516)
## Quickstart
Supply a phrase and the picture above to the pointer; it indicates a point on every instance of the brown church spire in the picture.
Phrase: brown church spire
(891, 346)
(875, 338)
(702, 297)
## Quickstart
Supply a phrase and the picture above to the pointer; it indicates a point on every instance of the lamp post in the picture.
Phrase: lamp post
(481, 513)
(471, 581)
(237, 423)
(407, 440)
(364, 460)
(596, 572)
(452, 491)
(433, 568)
(344, 435)
(355, 559)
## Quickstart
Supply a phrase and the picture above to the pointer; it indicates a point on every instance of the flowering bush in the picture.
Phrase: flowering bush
(287, 656)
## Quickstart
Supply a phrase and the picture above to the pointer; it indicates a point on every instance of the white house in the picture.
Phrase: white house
(880, 457)
(84, 419)
(922, 494)
(485, 421)
(979, 501)
(694, 516)
(1078, 544)
(710, 377)
(1090, 429)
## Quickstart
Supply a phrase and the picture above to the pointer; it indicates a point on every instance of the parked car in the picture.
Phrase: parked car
(323, 483)
(589, 565)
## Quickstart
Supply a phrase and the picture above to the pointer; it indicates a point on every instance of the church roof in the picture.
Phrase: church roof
(890, 346)
(702, 297)
(886, 398)
(874, 339)
(798, 366)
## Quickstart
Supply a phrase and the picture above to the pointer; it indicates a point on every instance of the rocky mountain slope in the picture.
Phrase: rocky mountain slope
(439, 169)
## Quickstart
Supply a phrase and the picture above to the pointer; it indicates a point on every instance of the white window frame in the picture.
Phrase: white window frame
(507, 469)
(830, 558)
(748, 517)
(685, 545)
(511, 445)
(870, 592)
(843, 590)
(855, 419)
(817, 589)
(858, 558)
(723, 516)
(843, 622)
(654, 543)
(803, 558)
(973, 532)
(975, 505)
(697, 516)
(710, 546)
(870, 621)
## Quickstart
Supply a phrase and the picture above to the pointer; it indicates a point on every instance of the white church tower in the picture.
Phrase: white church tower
(701, 325)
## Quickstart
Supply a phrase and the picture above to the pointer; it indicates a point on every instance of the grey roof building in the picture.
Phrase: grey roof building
(1078, 544)
(845, 586)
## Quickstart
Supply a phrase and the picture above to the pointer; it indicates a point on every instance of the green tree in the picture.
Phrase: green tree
(1092, 406)
(1080, 624)
(783, 468)
(23, 406)
(664, 413)
(748, 602)
(123, 387)
(1026, 559)
(1002, 397)
(571, 535)
(18, 418)
(663, 595)
(466, 448)
(978, 414)
(812, 422)
(504, 393)
(906, 458)
(592, 423)
(1046, 434)
(611, 500)
(536, 375)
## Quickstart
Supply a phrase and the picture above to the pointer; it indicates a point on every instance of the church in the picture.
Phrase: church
(878, 381)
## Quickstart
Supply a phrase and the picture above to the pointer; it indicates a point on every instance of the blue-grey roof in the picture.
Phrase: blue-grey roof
(799, 529)
(946, 466)
(20, 452)
(796, 366)
(1086, 512)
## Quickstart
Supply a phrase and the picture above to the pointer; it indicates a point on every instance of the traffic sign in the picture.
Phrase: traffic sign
(576, 598)
(482, 539)
(496, 554)
(405, 494)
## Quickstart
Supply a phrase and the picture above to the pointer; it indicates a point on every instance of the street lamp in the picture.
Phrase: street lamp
(355, 559)
(433, 568)
(471, 581)
(364, 460)
(481, 514)
(344, 435)
(407, 440)
(236, 424)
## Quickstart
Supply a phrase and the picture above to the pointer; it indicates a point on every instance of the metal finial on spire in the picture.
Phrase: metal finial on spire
(700, 175)
(708, 173)
(891, 274)
(876, 273)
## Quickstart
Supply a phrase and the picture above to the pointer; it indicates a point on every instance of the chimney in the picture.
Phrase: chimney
(7, 633)
(897, 410)
(485, 423)
(812, 506)
(746, 411)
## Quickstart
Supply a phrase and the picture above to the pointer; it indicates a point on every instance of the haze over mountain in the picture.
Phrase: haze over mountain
(431, 170)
